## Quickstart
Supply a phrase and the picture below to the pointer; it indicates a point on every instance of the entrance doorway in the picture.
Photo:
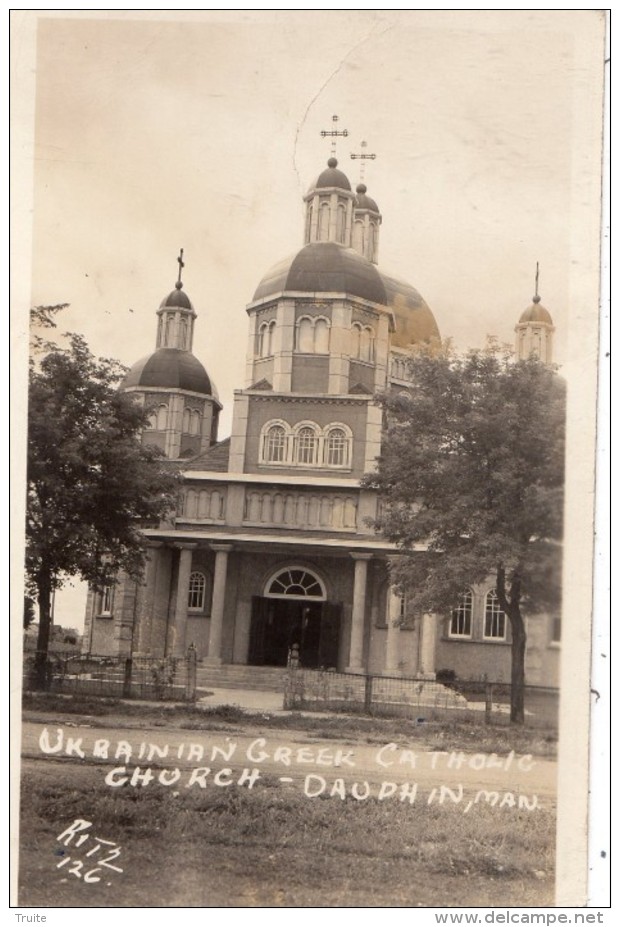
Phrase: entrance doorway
(277, 624)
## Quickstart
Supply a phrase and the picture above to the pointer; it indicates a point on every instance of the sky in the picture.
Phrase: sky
(154, 132)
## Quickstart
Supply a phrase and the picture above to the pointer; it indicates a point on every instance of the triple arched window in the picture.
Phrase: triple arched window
(312, 335)
(306, 445)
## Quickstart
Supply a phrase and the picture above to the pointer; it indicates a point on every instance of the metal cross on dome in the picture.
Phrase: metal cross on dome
(181, 263)
(334, 134)
(363, 157)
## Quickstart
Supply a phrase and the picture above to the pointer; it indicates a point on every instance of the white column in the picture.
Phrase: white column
(180, 610)
(142, 645)
(217, 608)
(392, 640)
(428, 634)
(357, 617)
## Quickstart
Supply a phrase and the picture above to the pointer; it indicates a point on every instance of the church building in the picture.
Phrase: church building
(271, 545)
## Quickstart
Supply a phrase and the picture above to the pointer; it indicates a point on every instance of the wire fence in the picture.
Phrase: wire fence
(417, 697)
(165, 679)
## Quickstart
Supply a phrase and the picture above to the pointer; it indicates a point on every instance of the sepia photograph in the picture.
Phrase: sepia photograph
(305, 341)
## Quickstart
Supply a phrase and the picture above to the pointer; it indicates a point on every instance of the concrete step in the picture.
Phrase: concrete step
(237, 676)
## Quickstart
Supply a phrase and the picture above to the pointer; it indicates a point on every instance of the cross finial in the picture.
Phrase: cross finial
(363, 157)
(179, 283)
(334, 134)
(536, 296)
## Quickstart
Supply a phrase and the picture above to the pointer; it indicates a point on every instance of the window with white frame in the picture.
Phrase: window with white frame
(494, 618)
(336, 448)
(306, 445)
(461, 618)
(197, 591)
(275, 444)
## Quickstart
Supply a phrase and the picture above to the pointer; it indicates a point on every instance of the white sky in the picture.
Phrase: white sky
(201, 131)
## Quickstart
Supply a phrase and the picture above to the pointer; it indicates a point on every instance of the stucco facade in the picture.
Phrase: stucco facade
(271, 544)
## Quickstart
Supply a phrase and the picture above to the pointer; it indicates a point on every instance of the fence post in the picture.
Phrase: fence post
(127, 678)
(368, 695)
(488, 702)
(190, 685)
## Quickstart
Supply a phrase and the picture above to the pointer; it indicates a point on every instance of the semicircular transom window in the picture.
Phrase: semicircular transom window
(297, 583)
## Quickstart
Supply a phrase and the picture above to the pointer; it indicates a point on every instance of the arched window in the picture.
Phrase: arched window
(306, 445)
(358, 236)
(324, 222)
(341, 220)
(183, 334)
(161, 422)
(460, 622)
(265, 339)
(336, 448)
(356, 336)
(197, 590)
(321, 336)
(185, 421)
(194, 422)
(296, 582)
(305, 336)
(494, 618)
(365, 344)
(309, 222)
(160, 326)
(274, 447)
(107, 598)
(169, 327)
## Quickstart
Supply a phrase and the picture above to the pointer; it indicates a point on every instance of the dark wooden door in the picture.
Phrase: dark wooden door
(329, 641)
(258, 625)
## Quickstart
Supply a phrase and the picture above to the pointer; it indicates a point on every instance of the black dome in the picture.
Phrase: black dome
(331, 177)
(170, 368)
(177, 298)
(327, 267)
(324, 267)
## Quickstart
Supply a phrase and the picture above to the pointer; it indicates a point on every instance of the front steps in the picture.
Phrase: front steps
(240, 676)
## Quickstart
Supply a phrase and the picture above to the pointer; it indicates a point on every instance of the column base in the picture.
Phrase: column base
(355, 669)
(391, 672)
(212, 661)
(431, 677)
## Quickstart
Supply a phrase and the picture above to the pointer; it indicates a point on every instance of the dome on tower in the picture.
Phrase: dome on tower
(362, 201)
(177, 298)
(536, 313)
(169, 368)
(331, 177)
(327, 267)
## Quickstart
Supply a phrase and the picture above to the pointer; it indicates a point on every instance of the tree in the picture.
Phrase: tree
(90, 483)
(472, 472)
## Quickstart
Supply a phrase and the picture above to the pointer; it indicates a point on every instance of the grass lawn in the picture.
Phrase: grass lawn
(272, 846)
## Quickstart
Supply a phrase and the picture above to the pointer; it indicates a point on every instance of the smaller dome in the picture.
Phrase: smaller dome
(176, 299)
(331, 177)
(169, 368)
(362, 201)
(536, 313)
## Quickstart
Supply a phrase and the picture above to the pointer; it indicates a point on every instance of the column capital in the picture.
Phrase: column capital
(359, 556)
(185, 545)
(154, 545)
(221, 547)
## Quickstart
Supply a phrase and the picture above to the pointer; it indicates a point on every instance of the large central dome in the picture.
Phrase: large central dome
(327, 267)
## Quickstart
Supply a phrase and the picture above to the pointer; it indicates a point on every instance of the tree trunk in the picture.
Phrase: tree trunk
(44, 587)
(517, 667)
